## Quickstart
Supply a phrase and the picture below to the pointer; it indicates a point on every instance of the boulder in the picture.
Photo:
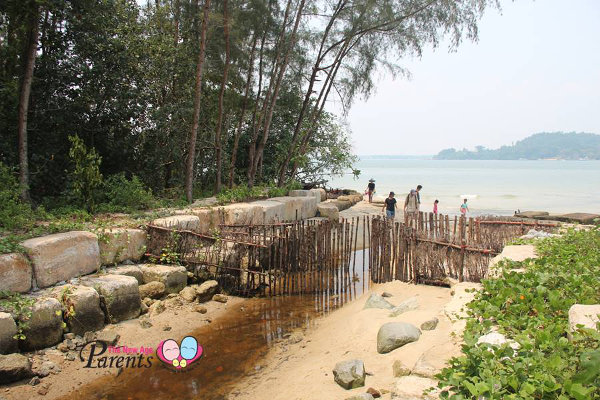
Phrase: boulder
(396, 334)
(319, 193)
(376, 301)
(119, 294)
(8, 329)
(297, 207)
(411, 387)
(153, 290)
(63, 256)
(128, 270)
(189, 294)
(349, 374)
(206, 290)
(586, 315)
(208, 219)
(329, 210)
(272, 211)
(430, 324)
(179, 222)
(45, 327)
(342, 204)
(85, 302)
(120, 244)
(15, 273)
(14, 367)
(242, 214)
(400, 369)
(407, 305)
(173, 276)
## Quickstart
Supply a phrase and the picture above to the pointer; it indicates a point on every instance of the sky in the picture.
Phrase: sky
(535, 68)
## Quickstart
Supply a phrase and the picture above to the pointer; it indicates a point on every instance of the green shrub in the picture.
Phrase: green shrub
(241, 193)
(14, 214)
(122, 194)
(85, 178)
(532, 308)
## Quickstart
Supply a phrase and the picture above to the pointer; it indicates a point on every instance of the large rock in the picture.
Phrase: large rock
(179, 222)
(45, 327)
(407, 305)
(120, 244)
(15, 273)
(120, 296)
(153, 290)
(63, 256)
(272, 211)
(128, 270)
(319, 193)
(208, 219)
(14, 367)
(349, 374)
(8, 329)
(411, 387)
(88, 315)
(430, 324)
(206, 290)
(297, 207)
(173, 276)
(300, 193)
(376, 301)
(242, 214)
(396, 334)
(586, 315)
(189, 294)
(329, 210)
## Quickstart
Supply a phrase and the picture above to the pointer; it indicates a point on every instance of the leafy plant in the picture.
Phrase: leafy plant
(19, 307)
(85, 177)
(14, 214)
(122, 194)
(532, 308)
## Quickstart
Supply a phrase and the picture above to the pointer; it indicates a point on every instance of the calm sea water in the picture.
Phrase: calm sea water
(498, 187)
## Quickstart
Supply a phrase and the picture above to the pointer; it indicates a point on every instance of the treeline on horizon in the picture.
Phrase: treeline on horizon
(560, 145)
(187, 97)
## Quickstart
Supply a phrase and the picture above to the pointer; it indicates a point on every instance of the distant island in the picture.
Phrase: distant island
(546, 145)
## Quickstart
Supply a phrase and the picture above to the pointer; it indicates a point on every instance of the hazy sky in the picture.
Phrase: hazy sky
(535, 68)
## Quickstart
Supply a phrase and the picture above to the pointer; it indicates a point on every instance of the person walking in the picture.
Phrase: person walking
(435, 206)
(390, 206)
(464, 208)
(371, 189)
(411, 207)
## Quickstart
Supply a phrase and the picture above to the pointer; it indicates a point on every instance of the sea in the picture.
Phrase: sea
(491, 186)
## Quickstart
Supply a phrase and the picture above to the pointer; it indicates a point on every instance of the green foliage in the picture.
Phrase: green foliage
(532, 308)
(19, 307)
(241, 193)
(122, 194)
(568, 146)
(14, 214)
(85, 177)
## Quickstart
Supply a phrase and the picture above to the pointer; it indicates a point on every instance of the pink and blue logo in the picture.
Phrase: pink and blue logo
(179, 355)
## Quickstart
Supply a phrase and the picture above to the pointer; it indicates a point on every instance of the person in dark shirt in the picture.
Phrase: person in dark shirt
(390, 206)
(371, 189)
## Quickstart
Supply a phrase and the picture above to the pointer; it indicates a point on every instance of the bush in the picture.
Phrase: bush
(14, 214)
(532, 308)
(85, 178)
(122, 194)
(241, 193)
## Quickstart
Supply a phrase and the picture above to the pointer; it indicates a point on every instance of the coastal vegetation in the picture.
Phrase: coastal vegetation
(179, 99)
(553, 145)
(531, 308)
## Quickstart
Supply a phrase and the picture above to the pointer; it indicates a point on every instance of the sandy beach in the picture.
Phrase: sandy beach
(301, 367)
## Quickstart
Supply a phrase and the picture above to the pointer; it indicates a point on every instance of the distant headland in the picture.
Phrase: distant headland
(545, 145)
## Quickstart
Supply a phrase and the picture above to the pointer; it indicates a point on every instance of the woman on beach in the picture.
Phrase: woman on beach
(390, 206)
(371, 189)
(435, 206)
(464, 208)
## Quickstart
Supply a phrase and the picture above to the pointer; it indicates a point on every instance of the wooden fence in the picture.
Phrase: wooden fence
(320, 256)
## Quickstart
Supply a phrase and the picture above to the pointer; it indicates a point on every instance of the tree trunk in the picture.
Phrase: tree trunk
(261, 145)
(191, 159)
(218, 148)
(236, 139)
(25, 92)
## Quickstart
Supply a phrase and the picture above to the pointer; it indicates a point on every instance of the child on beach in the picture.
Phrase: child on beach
(435, 206)
(390, 206)
(464, 208)
(370, 189)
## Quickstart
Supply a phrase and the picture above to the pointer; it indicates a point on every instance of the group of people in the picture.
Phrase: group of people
(412, 203)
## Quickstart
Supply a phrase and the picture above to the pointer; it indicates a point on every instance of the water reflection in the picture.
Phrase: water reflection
(233, 345)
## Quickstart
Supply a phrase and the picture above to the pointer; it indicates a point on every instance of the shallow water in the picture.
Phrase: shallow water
(233, 346)
(492, 186)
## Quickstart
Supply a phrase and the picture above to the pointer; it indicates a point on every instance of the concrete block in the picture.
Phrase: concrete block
(8, 329)
(174, 277)
(15, 273)
(127, 270)
(180, 222)
(120, 244)
(119, 296)
(45, 327)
